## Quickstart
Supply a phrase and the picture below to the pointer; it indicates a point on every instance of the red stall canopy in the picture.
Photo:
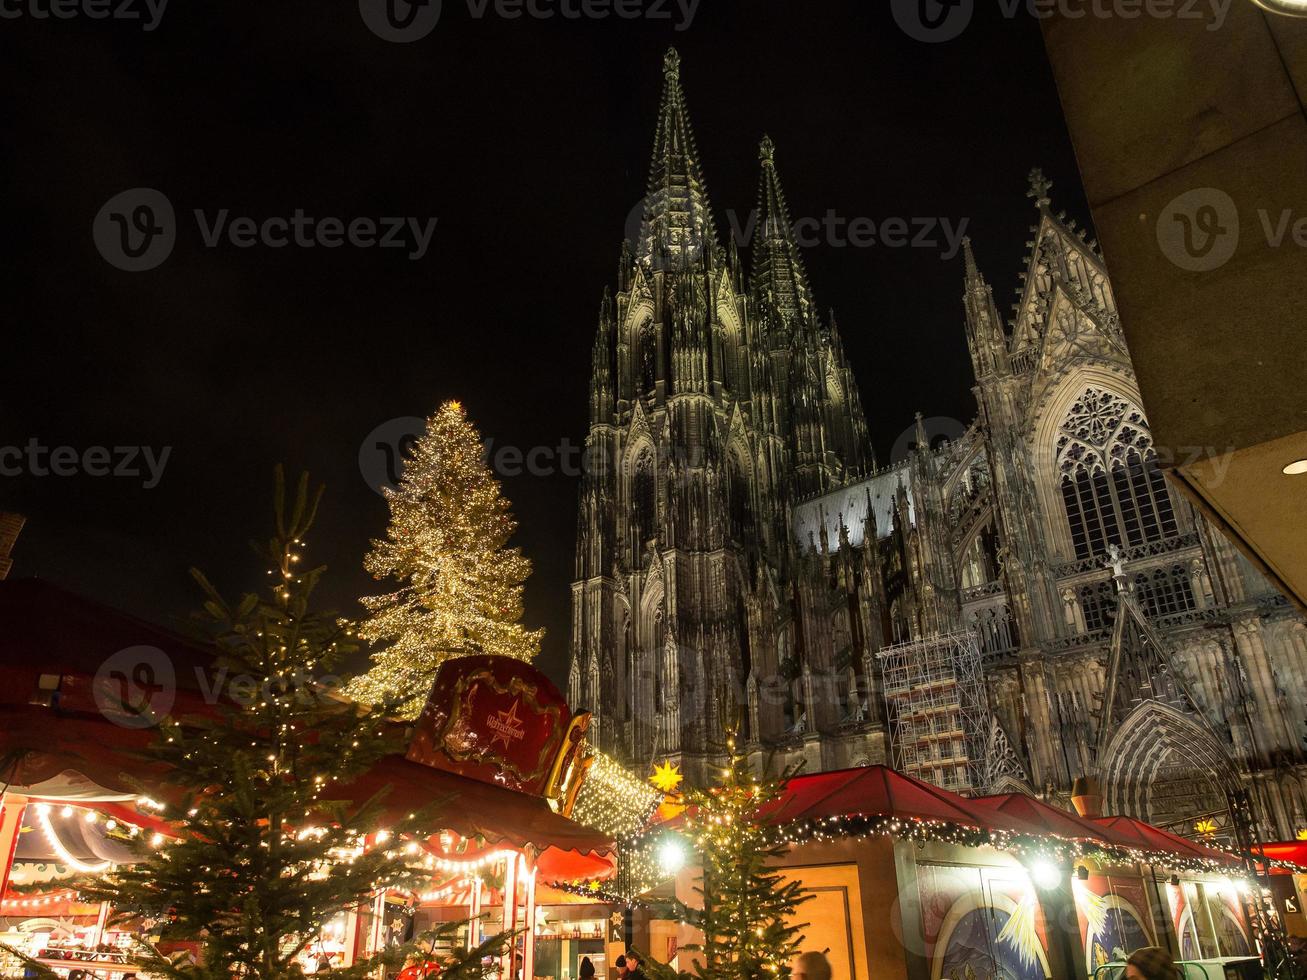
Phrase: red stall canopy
(1132, 833)
(1040, 818)
(1292, 852)
(869, 791)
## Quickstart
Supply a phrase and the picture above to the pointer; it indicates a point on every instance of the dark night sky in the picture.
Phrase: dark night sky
(529, 141)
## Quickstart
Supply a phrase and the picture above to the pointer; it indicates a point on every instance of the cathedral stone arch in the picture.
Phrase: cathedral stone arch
(964, 476)
(1164, 767)
(1097, 478)
(978, 553)
(733, 352)
(640, 472)
(739, 490)
(834, 387)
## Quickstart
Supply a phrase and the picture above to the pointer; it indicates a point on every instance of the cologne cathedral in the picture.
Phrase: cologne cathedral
(1013, 608)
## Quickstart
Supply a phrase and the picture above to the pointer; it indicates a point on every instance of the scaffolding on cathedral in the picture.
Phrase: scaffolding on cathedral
(938, 712)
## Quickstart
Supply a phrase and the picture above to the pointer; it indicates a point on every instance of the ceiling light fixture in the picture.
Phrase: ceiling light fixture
(1299, 466)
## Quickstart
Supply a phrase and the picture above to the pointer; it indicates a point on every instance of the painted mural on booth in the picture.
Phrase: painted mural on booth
(981, 923)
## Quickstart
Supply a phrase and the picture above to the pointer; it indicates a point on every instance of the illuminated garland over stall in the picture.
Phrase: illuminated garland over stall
(613, 801)
(1024, 846)
(639, 853)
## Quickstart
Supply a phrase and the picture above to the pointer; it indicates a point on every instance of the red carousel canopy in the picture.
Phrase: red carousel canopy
(46, 632)
(477, 809)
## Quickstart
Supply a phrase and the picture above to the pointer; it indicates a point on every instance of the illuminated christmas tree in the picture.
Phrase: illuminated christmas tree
(269, 853)
(748, 908)
(460, 586)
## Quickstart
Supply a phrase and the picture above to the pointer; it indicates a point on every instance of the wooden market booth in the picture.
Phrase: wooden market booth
(914, 882)
(496, 742)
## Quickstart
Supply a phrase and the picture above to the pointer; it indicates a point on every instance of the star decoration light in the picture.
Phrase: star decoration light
(667, 777)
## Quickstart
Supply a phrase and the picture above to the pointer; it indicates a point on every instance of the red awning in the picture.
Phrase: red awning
(1132, 833)
(48, 630)
(869, 791)
(475, 809)
(1032, 816)
(1290, 851)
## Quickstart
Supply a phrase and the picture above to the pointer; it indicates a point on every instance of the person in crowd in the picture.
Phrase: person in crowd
(620, 965)
(586, 971)
(633, 971)
(810, 966)
(1151, 963)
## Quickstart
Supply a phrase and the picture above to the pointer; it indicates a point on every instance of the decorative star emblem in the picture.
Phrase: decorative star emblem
(507, 726)
(666, 777)
(615, 918)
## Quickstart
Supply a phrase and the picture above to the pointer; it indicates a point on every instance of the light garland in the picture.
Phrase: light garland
(475, 863)
(613, 800)
(67, 895)
(66, 857)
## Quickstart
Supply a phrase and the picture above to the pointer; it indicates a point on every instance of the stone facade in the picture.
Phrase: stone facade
(741, 557)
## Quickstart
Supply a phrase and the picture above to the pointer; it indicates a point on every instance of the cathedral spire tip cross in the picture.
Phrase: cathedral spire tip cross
(1040, 185)
(766, 150)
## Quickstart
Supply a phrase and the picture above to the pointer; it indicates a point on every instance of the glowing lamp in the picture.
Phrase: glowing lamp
(1289, 8)
(671, 856)
(1299, 466)
(1045, 874)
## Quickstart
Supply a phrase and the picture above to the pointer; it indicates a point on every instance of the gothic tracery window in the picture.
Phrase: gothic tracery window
(980, 560)
(648, 354)
(1165, 591)
(737, 490)
(1098, 603)
(644, 497)
(1112, 488)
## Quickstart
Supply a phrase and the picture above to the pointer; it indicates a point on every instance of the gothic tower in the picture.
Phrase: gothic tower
(714, 404)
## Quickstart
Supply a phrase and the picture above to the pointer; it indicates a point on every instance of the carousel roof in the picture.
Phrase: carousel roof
(69, 750)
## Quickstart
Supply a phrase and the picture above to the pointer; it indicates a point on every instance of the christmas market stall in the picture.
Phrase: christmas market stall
(912, 881)
(496, 750)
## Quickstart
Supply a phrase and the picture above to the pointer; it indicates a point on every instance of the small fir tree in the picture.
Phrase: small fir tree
(267, 854)
(748, 908)
(460, 585)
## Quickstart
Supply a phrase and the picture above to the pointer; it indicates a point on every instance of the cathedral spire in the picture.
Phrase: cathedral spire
(678, 228)
(986, 337)
(778, 270)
